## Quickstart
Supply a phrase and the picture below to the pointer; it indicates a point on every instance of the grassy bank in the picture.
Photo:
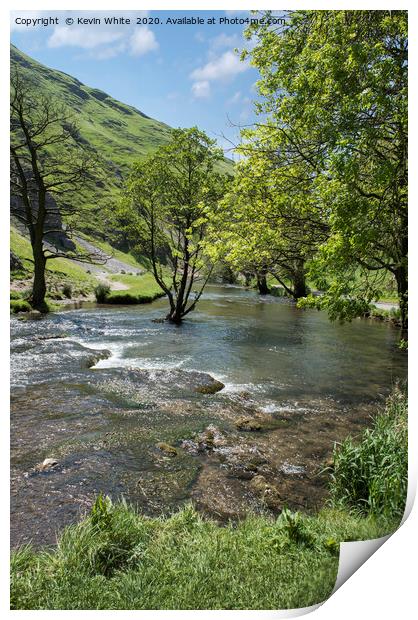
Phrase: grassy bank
(141, 289)
(118, 559)
(66, 279)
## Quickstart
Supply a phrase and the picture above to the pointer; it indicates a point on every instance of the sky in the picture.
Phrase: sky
(181, 74)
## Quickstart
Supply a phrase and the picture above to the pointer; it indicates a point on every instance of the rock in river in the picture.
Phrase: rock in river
(248, 424)
(166, 448)
(266, 492)
(47, 464)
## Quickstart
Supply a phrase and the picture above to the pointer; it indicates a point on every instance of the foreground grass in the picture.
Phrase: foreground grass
(117, 559)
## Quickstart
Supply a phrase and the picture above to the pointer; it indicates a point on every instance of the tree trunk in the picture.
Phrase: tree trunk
(176, 310)
(39, 285)
(401, 275)
(263, 289)
(299, 282)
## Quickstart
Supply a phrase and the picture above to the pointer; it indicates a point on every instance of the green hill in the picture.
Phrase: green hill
(119, 133)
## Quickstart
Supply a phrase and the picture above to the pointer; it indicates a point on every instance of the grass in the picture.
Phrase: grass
(63, 276)
(19, 305)
(125, 257)
(57, 268)
(141, 289)
(116, 558)
(393, 315)
(371, 474)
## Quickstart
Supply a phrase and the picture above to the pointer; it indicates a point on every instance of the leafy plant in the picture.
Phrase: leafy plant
(371, 475)
(101, 293)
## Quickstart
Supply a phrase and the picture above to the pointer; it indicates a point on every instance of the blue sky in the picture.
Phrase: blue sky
(183, 75)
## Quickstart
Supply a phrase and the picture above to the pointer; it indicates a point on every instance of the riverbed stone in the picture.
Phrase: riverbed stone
(210, 438)
(210, 388)
(166, 448)
(267, 492)
(47, 464)
(248, 424)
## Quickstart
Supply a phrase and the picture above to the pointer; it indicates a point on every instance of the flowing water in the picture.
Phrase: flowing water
(97, 388)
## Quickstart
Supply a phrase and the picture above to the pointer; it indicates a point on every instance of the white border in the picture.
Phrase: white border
(386, 585)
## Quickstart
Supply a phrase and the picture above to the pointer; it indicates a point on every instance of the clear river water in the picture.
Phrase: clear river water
(98, 388)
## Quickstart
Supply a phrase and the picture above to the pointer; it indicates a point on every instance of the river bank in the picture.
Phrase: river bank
(117, 558)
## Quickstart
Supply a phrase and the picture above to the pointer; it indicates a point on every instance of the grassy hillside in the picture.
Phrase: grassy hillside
(119, 133)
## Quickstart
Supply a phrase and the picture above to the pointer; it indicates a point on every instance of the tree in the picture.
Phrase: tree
(46, 164)
(168, 201)
(334, 88)
(269, 223)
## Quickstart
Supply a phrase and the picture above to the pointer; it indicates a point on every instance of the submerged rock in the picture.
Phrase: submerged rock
(34, 315)
(210, 388)
(166, 448)
(210, 438)
(102, 354)
(266, 492)
(248, 424)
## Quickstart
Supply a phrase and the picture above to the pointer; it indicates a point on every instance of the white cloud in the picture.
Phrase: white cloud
(143, 41)
(224, 67)
(236, 97)
(82, 36)
(225, 40)
(108, 52)
(200, 37)
(201, 89)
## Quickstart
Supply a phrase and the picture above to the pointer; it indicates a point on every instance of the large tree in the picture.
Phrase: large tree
(169, 198)
(269, 221)
(334, 90)
(47, 164)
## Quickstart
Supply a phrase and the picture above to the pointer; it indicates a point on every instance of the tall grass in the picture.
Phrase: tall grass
(371, 475)
(118, 559)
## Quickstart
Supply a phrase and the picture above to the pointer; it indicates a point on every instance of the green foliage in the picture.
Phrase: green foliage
(117, 133)
(335, 132)
(67, 290)
(101, 293)
(118, 559)
(168, 200)
(19, 305)
(371, 475)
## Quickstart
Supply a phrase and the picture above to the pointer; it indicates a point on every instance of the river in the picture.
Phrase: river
(98, 388)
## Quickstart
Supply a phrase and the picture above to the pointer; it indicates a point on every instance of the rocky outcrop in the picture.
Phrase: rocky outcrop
(54, 230)
(15, 262)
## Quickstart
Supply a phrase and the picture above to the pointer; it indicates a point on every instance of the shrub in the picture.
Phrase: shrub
(19, 305)
(15, 295)
(67, 290)
(125, 298)
(371, 476)
(101, 292)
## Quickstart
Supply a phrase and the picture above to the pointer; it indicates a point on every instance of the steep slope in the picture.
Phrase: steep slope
(119, 133)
